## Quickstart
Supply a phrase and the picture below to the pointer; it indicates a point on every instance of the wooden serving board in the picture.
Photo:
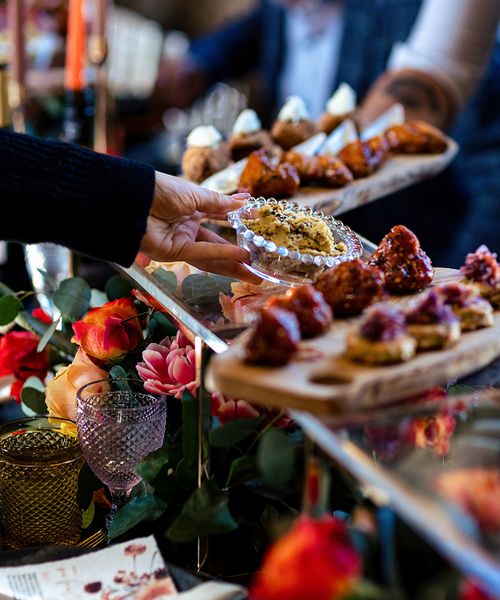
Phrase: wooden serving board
(321, 380)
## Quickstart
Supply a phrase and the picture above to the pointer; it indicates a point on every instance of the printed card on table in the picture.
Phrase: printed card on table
(130, 570)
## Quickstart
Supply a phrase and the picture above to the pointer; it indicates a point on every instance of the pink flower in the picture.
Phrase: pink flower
(227, 409)
(169, 367)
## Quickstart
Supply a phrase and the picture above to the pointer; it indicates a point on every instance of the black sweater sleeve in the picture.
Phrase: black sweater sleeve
(92, 203)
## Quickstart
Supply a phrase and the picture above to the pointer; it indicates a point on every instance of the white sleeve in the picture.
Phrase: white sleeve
(451, 40)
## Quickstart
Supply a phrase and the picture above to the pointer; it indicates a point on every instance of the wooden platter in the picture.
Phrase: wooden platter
(397, 173)
(321, 380)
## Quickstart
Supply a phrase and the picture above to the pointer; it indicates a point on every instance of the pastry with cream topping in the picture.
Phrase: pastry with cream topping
(205, 154)
(247, 135)
(294, 124)
(338, 108)
(381, 338)
(433, 323)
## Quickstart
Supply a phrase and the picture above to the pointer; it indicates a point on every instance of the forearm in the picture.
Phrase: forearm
(94, 204)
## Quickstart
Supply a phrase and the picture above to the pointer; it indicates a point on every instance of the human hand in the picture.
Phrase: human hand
(174, 231)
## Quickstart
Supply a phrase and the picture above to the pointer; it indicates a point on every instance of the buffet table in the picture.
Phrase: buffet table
(372, 445)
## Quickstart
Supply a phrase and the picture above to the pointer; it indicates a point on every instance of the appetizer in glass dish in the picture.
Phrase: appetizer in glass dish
(289, 244)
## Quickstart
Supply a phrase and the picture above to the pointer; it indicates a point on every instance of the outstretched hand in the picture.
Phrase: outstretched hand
(174, 230)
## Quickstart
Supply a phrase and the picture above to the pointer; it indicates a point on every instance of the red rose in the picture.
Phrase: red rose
(18, 357)
(109, 332)
(315, 559)
(470, 591)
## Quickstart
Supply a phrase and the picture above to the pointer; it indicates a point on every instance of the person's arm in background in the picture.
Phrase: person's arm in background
(108, 207)
(227, 53)
(436, 70)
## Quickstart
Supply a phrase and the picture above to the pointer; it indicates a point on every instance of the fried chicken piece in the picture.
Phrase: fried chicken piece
(288, 133)
(325, 170)
(406, 267)
(263, 176)
(309, 306)
(363, 158)
(351, 286)
(275, 338)
(242, 145)
(415, 137)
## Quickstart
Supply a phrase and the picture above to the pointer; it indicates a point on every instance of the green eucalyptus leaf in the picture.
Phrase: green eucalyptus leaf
(117, 288)
(233, 432)
(458, 389)
(33, 396)
(149, 468)
(167, 279)
(72, 297)
(242, 469)
(205, 513)
(49, 332)
(202, 291)
(9, 309)
(276, 458)
(97, 298)
(145, 507)
(366, 590)
(186, 474)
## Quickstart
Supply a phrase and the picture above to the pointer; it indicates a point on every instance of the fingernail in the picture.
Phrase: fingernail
(241, 196)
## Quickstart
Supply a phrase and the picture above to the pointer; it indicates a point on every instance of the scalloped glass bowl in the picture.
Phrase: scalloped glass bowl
(284, 266)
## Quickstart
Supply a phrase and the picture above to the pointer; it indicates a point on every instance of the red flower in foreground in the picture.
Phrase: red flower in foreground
(169, 367)
(109, 332)
(18, 357)
(315, 559)
(469, 591)
(41, 315)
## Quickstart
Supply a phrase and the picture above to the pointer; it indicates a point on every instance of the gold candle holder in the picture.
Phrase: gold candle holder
(40, 461)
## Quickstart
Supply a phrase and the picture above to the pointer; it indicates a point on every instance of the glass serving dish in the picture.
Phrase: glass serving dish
(282, 265)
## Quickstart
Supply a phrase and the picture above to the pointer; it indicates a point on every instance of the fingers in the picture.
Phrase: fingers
(230, 269)
(206, 251)
(217, 204)
(206, 235)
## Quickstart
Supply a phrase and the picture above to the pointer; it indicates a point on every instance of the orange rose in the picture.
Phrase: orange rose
(315, 559)
(109, 332)
(61, 391)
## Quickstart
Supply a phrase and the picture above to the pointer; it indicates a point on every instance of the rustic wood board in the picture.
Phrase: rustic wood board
(396, 173)
(321, 380)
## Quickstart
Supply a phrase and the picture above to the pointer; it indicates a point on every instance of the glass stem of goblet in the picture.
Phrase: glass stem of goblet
(119, 497)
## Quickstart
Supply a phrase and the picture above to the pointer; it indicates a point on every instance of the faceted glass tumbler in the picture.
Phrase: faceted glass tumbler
(40, 461)
(119, 424)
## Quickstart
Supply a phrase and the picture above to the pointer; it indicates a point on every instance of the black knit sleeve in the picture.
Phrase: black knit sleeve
(92, 203)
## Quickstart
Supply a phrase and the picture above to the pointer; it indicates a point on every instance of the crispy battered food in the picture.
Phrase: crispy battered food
(205, 155)
(482, 271)
(472, 310)
(309, 306)
(264, 176)
(381, 338)
(288, 134)
(275, 338)
(295, 230)
(351, 286)
(415, 137)
(322, 169)
(242, 145)
(362, 158)
(406, 267)
(432, 323)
